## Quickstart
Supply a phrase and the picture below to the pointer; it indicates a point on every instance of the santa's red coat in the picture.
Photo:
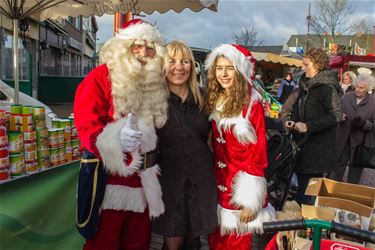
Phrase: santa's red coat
(127, 188)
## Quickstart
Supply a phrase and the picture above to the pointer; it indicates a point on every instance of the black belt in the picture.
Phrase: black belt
(149, 159)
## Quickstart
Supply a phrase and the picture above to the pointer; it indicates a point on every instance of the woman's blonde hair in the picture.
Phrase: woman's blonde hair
(351, 75)
(181, 50)
(238, 98)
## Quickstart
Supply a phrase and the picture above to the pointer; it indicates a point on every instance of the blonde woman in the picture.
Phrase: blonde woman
(187, 172)
(240, 152)
(347, 81)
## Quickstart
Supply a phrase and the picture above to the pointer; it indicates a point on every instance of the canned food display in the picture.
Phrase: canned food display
(17, 165)
(29, 136)
(54, 156)
(26, 119)
(61, 152)
(15, 142)
(16, 109)
(31, 167)
(27, 110)
(3, 136)
(44, 158)
(31, 156)
(53, 137)
(4, 174)
(65, 125)
(3, 116)
(55, 123)
(30, 146)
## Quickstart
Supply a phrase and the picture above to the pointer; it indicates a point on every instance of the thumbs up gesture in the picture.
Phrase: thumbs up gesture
(130, 136)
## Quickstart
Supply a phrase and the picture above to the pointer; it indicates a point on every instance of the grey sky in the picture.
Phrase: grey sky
(275, 20)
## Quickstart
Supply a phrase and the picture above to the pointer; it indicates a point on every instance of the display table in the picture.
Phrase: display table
(38, 211)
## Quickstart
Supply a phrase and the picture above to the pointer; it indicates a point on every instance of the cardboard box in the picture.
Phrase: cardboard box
(323, 187)
(321, 213)
(354, 198)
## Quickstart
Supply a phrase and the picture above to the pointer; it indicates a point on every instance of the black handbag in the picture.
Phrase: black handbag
(364, 157)
(90, 194)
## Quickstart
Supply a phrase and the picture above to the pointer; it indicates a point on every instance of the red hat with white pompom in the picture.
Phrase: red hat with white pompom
(139, 29)
(241, 58)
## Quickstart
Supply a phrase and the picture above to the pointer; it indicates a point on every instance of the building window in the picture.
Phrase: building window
(51, 62)
(7, 59)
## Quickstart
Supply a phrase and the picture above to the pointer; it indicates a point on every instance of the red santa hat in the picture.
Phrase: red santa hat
(241, 58)
(139, 29)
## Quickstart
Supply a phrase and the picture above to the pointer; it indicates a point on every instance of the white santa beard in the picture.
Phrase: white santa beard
(141, 90)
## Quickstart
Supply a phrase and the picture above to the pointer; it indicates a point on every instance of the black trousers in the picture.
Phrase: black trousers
(355, 172)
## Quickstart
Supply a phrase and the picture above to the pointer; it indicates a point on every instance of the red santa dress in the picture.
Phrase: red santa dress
(240, 150)
(131, 196)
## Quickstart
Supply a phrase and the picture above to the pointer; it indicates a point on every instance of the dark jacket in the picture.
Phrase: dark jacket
(186, 161)
(366, 110)
(318, 105)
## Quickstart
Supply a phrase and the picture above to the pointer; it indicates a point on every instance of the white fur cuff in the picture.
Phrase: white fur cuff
(229, 221)
(108, 144)
(152, 189)
(249, 191)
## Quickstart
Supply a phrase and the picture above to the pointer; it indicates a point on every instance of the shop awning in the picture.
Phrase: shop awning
(272, 58)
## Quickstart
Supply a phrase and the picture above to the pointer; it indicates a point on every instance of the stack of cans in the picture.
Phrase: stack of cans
(16, 154)
(42, 138)
(4, 155)
(75, 141)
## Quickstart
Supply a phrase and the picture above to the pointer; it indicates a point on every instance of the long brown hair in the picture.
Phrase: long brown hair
(234, 102)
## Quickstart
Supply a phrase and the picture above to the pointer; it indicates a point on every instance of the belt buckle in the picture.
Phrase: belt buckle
(145, 162)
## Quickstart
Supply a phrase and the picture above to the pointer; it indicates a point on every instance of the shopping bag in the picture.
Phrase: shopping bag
(90, 193)
(364, 157)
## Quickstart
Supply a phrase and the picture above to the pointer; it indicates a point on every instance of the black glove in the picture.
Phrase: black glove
(357, 123)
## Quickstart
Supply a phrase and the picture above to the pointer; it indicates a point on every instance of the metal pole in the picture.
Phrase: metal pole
(15, 60)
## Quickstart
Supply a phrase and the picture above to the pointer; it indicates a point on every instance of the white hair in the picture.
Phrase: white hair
(366, 79)
(136, 88)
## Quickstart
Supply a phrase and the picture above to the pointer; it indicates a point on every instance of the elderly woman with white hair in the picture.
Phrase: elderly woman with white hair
(356, 128)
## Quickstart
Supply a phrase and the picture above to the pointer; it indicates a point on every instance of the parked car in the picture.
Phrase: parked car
(7, 99)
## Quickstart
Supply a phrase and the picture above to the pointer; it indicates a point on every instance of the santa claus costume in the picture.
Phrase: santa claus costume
(239, 144)
(103, 100)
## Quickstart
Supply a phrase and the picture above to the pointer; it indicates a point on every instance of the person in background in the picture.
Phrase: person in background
(355, 128)
(286, 88)
(315, 114)
(187, 169)
(117, 108)
(347, 81)
(367, 71)
(240, 147)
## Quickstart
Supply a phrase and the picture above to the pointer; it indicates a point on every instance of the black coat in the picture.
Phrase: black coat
(318, 105)
(186, 161)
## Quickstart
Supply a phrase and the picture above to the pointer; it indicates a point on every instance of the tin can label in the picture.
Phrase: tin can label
(15, 142)
(17, 165)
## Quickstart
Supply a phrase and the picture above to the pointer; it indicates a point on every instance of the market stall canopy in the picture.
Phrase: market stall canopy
(272, 58)
(53, 9)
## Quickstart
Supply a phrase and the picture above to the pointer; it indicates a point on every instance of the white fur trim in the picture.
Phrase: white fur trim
(108, 144)
(124, 198)
(239, 60)
(241, 127)
(143, 31)
(149, 137)
(229, 221)
(248, 191)
(152, 190)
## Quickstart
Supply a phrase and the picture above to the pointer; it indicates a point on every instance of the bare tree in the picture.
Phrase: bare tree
(334, 16)
(248, 37)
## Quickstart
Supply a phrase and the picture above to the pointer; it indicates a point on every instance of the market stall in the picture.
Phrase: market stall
(37, 211)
